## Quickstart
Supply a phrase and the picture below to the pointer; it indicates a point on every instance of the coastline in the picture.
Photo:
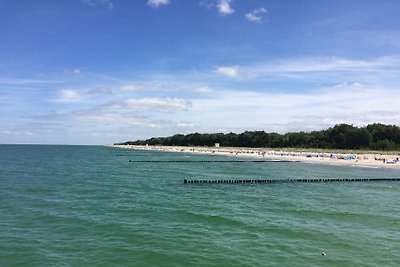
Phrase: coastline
(366, 160)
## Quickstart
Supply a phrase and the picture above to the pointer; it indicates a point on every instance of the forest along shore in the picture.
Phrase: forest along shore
(350, 159)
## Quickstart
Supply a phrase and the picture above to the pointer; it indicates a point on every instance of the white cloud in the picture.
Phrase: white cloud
(77, 72)
(89, 96)
(207, 4)
(185, 125)
(157, 104)
(323, 64)
(9, 81)
(322, 69)
(151, 85)
(230, 71)
(68, 96)
(102, 116)
(346, 86)
(203, 89)
(111, 118)
(256, 14)
(157, 3)
(131, 87)
(15, 133)
(107, 3)
(161, 85)
(100, 91)
(224, 7)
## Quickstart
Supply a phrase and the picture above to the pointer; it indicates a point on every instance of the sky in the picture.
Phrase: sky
(105, 71)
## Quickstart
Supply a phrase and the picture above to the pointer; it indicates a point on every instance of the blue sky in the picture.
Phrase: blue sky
(104, 71)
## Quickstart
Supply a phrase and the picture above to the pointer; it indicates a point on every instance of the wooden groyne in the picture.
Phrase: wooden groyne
(277, 181)
(209, 161)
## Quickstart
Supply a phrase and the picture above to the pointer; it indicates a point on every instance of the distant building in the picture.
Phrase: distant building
(216, 144)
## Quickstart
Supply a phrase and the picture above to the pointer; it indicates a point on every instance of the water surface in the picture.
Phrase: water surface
(88, 205)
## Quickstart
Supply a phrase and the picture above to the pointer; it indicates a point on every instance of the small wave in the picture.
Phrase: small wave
(213, 218)
(366, 166)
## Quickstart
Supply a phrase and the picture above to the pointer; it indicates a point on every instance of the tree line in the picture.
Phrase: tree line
(375, 136)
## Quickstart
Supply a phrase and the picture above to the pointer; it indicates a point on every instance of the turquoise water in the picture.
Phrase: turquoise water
(88, 206)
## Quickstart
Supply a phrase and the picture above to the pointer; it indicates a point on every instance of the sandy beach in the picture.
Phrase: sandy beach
(351, 159)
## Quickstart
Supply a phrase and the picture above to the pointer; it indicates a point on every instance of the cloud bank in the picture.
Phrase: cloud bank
(313, 93)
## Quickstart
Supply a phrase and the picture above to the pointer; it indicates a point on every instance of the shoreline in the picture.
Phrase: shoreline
(362, 160)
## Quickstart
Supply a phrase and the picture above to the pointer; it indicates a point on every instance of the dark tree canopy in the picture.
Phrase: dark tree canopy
(375, 136)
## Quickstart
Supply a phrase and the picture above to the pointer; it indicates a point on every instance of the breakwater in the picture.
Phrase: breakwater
(276, 181)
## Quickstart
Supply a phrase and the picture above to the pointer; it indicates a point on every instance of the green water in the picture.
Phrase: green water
(90, 206)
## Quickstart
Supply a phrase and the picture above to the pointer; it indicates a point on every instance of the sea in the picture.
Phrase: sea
(104, 206)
